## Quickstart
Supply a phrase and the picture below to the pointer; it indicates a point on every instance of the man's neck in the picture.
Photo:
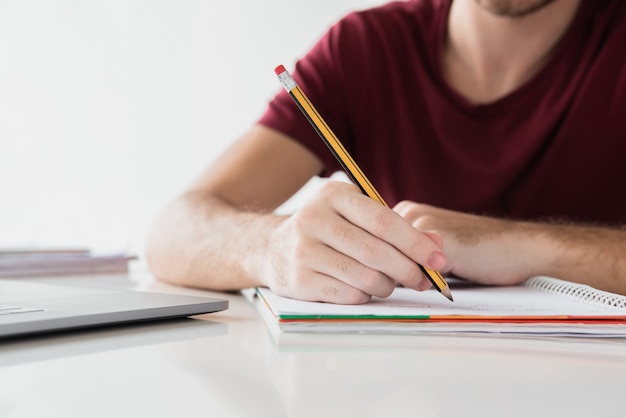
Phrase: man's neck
(486, 56)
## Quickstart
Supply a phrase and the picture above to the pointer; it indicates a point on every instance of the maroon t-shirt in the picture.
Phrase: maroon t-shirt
(554, 148)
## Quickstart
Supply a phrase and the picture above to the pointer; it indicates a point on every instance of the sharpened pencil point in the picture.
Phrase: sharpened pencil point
(446, 292)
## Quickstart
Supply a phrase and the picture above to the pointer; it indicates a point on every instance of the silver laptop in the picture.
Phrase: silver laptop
(37, 307)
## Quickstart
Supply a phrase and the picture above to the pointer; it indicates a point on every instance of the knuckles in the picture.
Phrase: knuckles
(305, 218)
(381, 220)
(425, 223)
(369, 252)
(420, 215)
(331, 189)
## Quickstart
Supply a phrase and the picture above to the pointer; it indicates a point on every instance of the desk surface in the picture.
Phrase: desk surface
(227, 365)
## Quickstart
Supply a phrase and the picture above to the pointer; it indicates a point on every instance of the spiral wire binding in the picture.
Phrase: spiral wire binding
(579, 292)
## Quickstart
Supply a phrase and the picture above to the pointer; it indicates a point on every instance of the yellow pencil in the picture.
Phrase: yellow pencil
(346, 161)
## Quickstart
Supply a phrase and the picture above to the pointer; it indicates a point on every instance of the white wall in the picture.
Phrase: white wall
(109, 108)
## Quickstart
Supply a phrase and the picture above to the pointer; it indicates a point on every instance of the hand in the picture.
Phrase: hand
(482, 249)
(344, 247)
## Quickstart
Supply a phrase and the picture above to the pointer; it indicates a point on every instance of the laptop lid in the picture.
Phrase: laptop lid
(37, 307)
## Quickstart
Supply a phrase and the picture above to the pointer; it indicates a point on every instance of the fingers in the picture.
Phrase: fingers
(318, 271)
(345, 248)
(345, 269)
(382, 240)
(318, 287)
(370, 253)
(435, 237)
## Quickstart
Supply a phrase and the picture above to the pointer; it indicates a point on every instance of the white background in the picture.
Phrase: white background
(109, 108)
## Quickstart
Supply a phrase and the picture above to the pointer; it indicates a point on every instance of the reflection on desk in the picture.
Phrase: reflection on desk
(89, 341)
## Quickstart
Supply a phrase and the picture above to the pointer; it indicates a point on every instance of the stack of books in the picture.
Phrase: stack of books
(23, 262)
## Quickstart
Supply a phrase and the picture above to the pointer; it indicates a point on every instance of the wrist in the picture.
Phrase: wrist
(263, 245)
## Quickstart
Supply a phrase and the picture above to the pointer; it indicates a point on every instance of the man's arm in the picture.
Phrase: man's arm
(207, 235)
(496, 251)
(341, 246)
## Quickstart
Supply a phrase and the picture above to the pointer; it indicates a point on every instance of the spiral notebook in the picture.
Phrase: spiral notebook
(539, 306)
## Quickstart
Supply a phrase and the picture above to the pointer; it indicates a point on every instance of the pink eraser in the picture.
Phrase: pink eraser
(279, 70)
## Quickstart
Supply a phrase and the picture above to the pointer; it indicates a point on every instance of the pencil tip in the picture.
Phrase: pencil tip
(446, 292)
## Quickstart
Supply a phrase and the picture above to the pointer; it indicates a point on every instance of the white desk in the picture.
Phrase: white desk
(227, 365)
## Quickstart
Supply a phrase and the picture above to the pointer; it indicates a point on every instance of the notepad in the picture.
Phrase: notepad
(540, 306)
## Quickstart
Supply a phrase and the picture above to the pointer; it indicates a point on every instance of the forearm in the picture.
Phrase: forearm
(503, 252)
(201, 241)
(591, 255)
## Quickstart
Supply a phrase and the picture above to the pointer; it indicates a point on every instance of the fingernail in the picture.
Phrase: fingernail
(437, 261)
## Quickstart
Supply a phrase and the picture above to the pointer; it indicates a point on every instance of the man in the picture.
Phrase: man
(494, 128)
